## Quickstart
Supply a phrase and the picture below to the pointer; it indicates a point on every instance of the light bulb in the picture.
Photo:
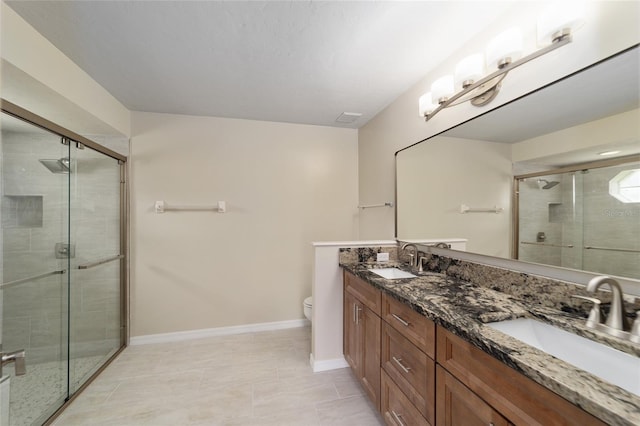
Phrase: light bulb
(426, 105)
(442, 89)
(469, 70)
(559, 20)
(504, 48)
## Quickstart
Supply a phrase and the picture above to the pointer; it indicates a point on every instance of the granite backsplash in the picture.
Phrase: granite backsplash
(367, 254)
(536, 290)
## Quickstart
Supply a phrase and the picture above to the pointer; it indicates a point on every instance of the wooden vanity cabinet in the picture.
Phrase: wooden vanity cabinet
(499, 387)
(458, 406)
(408, 348)
(362, 333)
(417, 373)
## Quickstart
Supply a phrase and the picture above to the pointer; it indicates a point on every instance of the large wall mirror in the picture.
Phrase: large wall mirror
(551, 178)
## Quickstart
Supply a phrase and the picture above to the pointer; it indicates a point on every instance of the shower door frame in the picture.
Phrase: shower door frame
(515, 220)
(34, 119)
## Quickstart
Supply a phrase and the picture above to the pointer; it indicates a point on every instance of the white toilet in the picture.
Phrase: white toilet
(307, 305)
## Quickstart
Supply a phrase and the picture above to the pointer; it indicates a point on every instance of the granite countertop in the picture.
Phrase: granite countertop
(464, 308)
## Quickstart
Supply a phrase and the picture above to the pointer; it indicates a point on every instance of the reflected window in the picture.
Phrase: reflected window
(625, 186)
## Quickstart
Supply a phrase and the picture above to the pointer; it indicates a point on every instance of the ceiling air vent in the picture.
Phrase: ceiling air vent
(348, 117)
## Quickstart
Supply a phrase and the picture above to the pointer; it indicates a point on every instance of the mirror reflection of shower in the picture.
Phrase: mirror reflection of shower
(545, 184)
(57, 166)
(591, 221)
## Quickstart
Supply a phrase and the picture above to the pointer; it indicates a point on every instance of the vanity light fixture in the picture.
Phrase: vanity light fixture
(503, 54)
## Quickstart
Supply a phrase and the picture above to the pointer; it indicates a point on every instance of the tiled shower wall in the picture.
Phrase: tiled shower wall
(543, 211)
(35, 313)
(95, 232)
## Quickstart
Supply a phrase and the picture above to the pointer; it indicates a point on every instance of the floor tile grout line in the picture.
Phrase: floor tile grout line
(289, 363)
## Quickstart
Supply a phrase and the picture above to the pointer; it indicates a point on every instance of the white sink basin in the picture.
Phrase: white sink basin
(610, 364)
(392, 273)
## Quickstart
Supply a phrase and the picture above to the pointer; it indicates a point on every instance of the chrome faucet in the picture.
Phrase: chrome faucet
(616, 322)
(17, 357)
(414, 255)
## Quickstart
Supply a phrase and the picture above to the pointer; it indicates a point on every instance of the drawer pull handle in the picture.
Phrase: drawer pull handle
(397, 418)
(399, 362)
(356, 314)
(403, 322)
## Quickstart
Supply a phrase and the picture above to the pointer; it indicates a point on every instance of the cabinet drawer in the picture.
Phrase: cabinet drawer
(515, 396)
(411, 370)
(458, 406)
(396, 409)
(363, 291)
(414, 326)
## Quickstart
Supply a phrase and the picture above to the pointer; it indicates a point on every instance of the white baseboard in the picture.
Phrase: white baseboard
(212, 332)
(327, 364)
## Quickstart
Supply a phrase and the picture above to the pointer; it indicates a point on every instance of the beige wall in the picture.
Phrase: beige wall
(436, 177)
(285, 186)
(619, 129)
(610, 27)
(56, 88)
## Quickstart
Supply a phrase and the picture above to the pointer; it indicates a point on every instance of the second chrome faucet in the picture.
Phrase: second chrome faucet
(616, 322)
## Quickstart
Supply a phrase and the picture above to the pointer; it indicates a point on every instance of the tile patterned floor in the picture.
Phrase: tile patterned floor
(45, 385)
(248, 379)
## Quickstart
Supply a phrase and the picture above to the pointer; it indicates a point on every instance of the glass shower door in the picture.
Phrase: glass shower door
(34, 292)
(612, 220)
(95, 281)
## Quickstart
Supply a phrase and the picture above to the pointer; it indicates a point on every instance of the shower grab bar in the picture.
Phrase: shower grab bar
(611, 249)
(100, 262)
(33, 278)
(547, 244)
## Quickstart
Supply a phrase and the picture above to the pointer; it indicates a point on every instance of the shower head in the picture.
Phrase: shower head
(60, 166)
(545, 184)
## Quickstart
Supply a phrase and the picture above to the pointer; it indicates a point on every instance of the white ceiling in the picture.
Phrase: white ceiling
(288, 61)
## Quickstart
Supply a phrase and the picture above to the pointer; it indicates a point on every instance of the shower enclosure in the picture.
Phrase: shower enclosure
(62, 298)
(582, 217)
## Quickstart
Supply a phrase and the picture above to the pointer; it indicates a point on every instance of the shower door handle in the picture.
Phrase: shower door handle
(18, 358)
(26, 280)
(101, 262)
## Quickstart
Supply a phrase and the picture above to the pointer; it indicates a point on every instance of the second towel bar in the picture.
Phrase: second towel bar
(547, 244)
(611, 249)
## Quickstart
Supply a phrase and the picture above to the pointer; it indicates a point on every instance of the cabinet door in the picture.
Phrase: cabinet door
(352, 341)
(517, 397)
(458, 406)
(369, 324)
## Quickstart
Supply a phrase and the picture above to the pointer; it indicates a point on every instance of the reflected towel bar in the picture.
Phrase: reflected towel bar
(547, 244)
(466, 209)
(100, 262)
(376, 205)
(35, 277)
(611, 249)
